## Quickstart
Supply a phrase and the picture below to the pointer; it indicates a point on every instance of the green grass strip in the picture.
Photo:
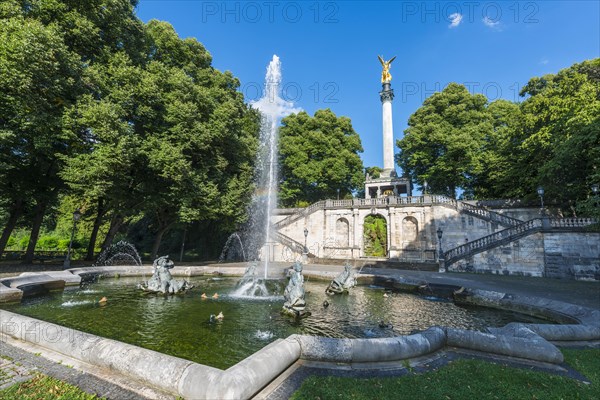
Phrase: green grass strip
(42, 387)
(466, 379)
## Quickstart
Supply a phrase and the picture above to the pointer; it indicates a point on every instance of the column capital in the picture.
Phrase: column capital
(386, 95)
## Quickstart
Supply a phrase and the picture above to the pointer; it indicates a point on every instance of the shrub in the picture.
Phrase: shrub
(23, 243)
(47, 243)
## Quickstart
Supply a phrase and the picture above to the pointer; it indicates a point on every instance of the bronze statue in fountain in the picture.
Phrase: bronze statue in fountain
(343, 282)
(294, 293)
(162, 281)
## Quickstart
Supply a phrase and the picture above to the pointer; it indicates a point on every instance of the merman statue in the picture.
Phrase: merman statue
(162, 281)
(343, 282)
(294, 293)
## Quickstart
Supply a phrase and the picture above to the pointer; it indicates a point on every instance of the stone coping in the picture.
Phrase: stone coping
(246, 378)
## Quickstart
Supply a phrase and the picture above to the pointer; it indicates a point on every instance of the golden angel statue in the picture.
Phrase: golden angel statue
(385, 74)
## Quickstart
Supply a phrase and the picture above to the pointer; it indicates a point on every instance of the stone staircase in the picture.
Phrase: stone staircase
(512, 233)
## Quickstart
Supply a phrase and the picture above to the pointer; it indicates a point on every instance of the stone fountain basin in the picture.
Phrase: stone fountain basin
(243, 380)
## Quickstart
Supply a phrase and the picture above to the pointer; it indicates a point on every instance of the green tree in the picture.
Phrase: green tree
(170, 140)
(498, 154)
(46, 47)
(38, 78)
(319, 155)
(560, 139)
(442, 144)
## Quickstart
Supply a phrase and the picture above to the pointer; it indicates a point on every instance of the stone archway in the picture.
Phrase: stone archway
(375, 236)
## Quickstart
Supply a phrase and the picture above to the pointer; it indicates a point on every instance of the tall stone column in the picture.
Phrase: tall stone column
(386, 96)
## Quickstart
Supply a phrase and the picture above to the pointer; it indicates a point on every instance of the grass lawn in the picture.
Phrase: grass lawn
(42, 387)
(466, 379)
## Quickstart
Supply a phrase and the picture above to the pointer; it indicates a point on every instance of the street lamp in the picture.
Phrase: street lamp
(540, 192)
(440, 251)
(76, 217)
(595, 188)
(338, 191)
(305, 238)
(425, 187)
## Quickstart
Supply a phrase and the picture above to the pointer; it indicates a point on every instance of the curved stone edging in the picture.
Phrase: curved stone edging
(395, 348)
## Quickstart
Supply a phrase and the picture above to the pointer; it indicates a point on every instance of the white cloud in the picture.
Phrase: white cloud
(544, 61)
(455, 20)
(491, 23)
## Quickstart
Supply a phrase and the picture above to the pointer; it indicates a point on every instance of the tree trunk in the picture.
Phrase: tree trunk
(115, 224)
(97, 222)
(38, 217)
(157, 241)
(15, 212)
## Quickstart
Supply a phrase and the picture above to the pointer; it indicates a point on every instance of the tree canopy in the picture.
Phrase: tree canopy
(506, 150)
(319, 155)
(443, 140)
(127, 119)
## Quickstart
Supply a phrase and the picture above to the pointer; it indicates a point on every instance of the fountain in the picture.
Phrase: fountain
(233, 249)
(121, 253)
(343, 282)
(258, 231)
(162, 281)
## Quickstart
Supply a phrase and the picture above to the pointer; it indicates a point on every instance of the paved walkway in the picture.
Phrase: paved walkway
(17, 364)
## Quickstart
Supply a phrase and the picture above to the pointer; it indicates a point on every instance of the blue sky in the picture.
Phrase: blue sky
(329, 49)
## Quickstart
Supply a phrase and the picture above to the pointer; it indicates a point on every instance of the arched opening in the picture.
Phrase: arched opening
(375, 236)
(342, 232)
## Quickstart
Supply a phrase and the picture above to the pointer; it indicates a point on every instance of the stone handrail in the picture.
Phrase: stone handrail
(494, 240)
(513, 233)
(294, 245)
(319, 205)
(489, 215)
(571, 222)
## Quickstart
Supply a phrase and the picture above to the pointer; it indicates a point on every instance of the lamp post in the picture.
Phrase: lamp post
(540, 192)
(305, 254)
(595, 188)
(425, 187)
(76, 217)
(305, 238)
(440, 251)
(338, 191)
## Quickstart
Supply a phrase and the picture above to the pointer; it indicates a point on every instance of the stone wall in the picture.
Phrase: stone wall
(564, 255)
(338, 233)
(522, 257)
(572, 255)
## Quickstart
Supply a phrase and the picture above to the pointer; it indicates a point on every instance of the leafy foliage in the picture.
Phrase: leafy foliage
(319, 155)
(503, 149)
(375, 236)
(127, 118)
(443, 140)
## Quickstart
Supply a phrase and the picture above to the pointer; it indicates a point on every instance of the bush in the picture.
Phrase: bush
(12, 242)
(47, 243)
(23, 243)
(63, 244)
